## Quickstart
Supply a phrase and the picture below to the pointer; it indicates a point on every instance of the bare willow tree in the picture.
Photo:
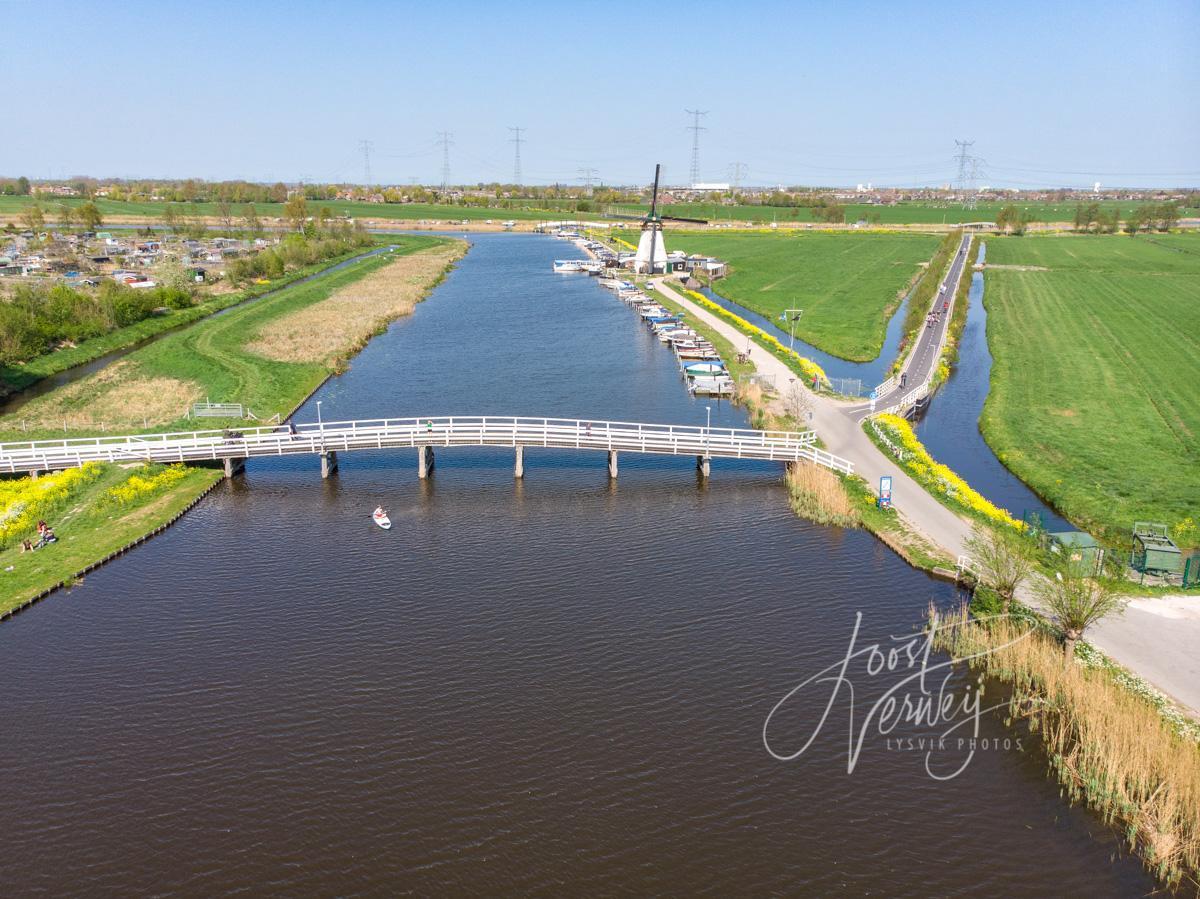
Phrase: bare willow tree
(1077, 602)
(1003, 560)
(798, 404)
(225, 214)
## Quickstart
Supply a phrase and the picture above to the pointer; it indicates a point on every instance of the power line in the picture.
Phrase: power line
(587, 176)
(366, 152)
(696, 128)
(963, 161)
(517, 141)
(737, 173)
(445, 141)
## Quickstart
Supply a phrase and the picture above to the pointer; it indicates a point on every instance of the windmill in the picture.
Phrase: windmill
(651, 251)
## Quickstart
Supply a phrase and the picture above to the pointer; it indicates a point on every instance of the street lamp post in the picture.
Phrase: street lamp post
(707, 429)
(320, 424)
(792, 316)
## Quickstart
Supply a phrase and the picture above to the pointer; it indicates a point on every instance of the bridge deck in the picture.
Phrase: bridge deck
(347, 436)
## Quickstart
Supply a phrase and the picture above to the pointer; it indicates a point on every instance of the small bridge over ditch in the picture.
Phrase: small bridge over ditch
(327, 439)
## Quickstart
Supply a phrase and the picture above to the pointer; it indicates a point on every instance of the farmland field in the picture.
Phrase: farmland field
(1095, 385)
(847, 284)
(927, 213)
(351, 208)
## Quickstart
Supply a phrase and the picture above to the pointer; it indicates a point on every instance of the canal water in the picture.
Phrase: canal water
(555, 686)
(949, 427)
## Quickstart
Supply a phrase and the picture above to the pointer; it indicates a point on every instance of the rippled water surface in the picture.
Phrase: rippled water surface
(554, 686)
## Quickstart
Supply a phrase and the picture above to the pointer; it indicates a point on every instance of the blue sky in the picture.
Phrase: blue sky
(824, 93)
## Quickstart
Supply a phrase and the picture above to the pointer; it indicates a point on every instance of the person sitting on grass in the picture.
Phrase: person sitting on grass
(45, 535)
(27, 546)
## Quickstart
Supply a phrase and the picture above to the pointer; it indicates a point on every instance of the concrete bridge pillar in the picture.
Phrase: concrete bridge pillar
(612, 463)
(703, 465)
(234, 467)
(329, 463)
(519, 467)
(424, 461)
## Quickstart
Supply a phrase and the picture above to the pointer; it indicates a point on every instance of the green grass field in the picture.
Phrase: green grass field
(1095, 385)
(526, 210)
(212, 354)
(900, 214)
(398, 211)
(18, 377)
(847, 284)
(89, 529)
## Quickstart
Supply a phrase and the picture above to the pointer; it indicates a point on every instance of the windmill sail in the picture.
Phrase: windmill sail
(651, 252)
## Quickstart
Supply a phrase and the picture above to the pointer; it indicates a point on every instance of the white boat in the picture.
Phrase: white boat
(563, 266)
(711, 386)
(705, 369)
(381, 519)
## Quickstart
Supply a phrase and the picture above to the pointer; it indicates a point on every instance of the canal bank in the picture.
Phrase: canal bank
(552, 683)
(1149, 640)
(309, 340)
(65, 366)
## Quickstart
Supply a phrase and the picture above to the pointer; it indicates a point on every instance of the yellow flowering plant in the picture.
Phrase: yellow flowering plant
(145, 482)
(804, 365)
(26, 501)
(936, 477)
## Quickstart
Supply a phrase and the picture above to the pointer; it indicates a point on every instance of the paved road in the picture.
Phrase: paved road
(1156, 639)
(923, 358)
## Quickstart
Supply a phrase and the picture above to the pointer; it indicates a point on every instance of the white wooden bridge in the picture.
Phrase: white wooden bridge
(327, 439)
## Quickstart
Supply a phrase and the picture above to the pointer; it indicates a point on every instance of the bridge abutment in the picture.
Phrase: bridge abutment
(234, 467)
(704, 465)
(519, 464)
(329, 463)
(612, 463)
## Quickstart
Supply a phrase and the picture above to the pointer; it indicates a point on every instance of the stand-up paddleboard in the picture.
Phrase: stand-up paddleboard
(382, 520)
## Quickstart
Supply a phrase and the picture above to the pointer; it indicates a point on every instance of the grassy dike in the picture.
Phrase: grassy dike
(92, 527)
(152, 388)
(14, 378)
(92, 521)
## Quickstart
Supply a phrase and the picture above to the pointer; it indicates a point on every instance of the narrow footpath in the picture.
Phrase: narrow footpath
(1155, 638)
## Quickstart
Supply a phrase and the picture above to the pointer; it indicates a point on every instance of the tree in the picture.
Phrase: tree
(33, 217)
(797, 403)
(1003, 560)
(170, 217)
(250, 217)
(23, 186)
(1077, 602)
(66, 215)
(1013, 220)
(225, 214)
(89, 216)
(296, 211)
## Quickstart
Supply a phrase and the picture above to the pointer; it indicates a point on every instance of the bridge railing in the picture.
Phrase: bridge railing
(448, 426)
(318, 437)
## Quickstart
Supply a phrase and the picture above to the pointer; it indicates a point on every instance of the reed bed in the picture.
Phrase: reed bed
(336, 328)
(816, 493)
(1108, 747)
